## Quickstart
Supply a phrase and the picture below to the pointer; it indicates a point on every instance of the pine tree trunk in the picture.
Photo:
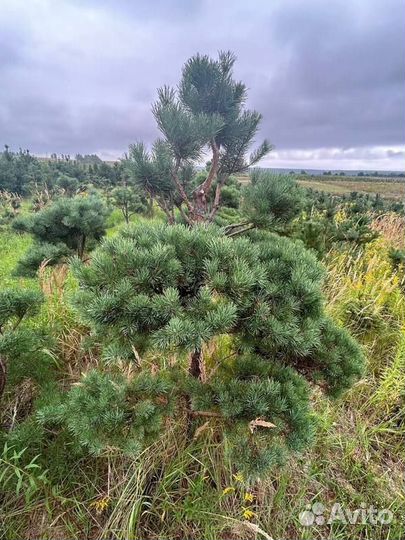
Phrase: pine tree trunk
(126, 214)
(195, 368)
(81, 245)
(200, 194)
(150, 209)
(217, 198)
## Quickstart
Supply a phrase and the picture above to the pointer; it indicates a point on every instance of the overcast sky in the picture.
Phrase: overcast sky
(327, 75)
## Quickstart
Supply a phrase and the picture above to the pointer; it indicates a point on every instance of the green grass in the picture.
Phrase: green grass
(13, 246)
(116, 221)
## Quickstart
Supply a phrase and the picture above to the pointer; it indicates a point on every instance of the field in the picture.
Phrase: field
(388, 190)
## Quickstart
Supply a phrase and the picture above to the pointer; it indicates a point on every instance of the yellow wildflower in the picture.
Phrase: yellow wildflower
(101, 504)
(249, 497)
(340, 217)
(239, 477)
(248, 514)
(227, 490)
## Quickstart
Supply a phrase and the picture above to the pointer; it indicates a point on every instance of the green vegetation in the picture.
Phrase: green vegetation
(185, 355)
(206, 112)
(64, 227)
(143, 293)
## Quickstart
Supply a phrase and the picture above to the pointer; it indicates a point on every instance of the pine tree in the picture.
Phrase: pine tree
(155, 291)
(68, 185)
(67, 226)
(15, 307)
(128, 200)
(206, 113)
(272, 200)
(151, 172)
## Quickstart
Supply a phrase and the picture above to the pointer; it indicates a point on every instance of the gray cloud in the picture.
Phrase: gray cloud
(80, 76)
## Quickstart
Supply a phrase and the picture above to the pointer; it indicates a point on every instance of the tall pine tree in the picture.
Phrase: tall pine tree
(206, 113)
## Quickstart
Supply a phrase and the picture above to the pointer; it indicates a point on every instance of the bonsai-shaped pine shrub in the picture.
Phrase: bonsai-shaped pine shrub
(63, 228)
(16, 338)
(169, 289)
(205, 113)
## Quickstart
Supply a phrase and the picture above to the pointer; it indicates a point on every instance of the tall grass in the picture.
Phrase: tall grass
(365, 295)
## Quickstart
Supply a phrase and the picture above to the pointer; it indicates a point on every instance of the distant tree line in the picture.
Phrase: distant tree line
(23, 174)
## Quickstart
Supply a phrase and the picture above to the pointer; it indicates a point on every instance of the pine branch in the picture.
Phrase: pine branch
(180, 187)
(217, 198)
(184, 215)
(206, 185)
(201, 192)
(234, 226)
(205, 414)
(241, 231)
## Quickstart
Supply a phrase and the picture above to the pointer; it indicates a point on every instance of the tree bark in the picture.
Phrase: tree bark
(81, 245)
(126, 213)
(150, 206)
(195, 368)
(240, 231)
(200, 193)
(169, 213)
(184, 215)
(217, 198)
(180, 187)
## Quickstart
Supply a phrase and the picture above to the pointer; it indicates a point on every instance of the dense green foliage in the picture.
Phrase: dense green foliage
(143, 291)
(24, 174)
(128, 200)
(17, 341)
(271, 201)
(83, 407)
(110, 410)
(206, 112)
(66, 226)
(328, 220)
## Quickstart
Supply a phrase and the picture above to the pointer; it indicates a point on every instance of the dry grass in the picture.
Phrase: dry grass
(387, 190)
(391, 227)
(52, 279)
(392, 190)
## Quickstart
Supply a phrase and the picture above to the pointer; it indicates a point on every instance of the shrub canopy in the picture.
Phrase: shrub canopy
(160, 289)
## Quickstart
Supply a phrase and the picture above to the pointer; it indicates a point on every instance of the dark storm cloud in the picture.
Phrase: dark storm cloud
(80, 76)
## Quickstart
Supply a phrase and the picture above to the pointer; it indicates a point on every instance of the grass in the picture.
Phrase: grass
(13, 246)
(182, 489)
(388, 190)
